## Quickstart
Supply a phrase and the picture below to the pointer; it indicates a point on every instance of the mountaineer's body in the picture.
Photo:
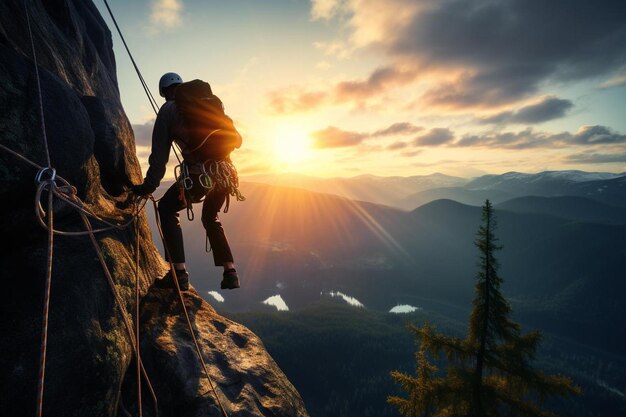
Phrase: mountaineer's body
(175, 122)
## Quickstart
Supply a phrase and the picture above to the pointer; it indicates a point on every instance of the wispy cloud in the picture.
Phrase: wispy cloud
(524, 139)
(378, 82)
(597, 135)
(400, 128)
(324, 9)
(585, 136)
(617, 80)
(528, 138)
(549, 108)
(333, 137)
(295, 100)
(397, 145)
(166, 14)
(353, 92)
(596, 158)
(435, 137)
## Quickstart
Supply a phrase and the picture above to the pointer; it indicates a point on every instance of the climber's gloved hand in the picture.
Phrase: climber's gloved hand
(143, 190)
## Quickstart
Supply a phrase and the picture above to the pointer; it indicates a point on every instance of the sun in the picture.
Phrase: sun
(292, 145)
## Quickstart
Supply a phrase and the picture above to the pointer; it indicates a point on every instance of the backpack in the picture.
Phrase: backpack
(211, 135)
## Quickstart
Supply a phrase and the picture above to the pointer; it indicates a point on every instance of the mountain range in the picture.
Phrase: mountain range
(411, 192)
(562, 262)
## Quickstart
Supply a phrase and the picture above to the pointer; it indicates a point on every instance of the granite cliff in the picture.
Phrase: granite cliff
(90, 367)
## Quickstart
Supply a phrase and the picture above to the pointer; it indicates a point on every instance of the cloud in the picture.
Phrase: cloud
(338, 49)
(332, 137)
(588, 136)
(293, 100)
(617, 80)
(410, 154)
(597, 135)
(356, 92)
(143, 133)
(397, 145)
(549, 108)
(324, 9)
(401, 128)
(435, 137)
(379, 81)
(528, 138)
(166, 14)
(514, 140)
(489, 53)
(595, 158)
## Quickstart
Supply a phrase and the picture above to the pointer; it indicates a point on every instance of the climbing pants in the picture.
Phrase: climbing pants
(169, 208)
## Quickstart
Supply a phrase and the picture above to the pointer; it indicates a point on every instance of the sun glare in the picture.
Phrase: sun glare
(291, 146)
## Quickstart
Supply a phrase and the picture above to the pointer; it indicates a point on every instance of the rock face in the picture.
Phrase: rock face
(89, 370)
(247, 380)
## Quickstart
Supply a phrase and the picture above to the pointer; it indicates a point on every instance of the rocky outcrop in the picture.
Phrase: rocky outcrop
(246, 379)
(89, 359)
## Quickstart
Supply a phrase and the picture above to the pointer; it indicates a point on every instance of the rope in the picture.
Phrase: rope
(151, 99)
(48, 282)
(172, 269)
(67, 193)
(46, 309)
(120, 304)
(138, 342)
(146, 89)
(43, 121)
(182, 302)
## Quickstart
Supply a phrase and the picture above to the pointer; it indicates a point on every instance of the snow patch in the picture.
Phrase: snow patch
(278, 302)
(610, 388)
(218, 297)
(404, 308)
(350, 300)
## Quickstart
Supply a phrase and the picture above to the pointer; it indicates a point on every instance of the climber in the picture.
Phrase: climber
(177, 122)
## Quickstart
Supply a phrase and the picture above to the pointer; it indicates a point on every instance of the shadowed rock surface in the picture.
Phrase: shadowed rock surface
(92, 146)
(247, 380)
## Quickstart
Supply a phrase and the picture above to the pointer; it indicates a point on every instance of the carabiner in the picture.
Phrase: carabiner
(50, 171)
(205, 181)
(187, 183)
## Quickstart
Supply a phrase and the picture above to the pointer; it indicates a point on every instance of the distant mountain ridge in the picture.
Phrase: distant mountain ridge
(376, 189)
(411, 192)
(604, 187)
(573, 208)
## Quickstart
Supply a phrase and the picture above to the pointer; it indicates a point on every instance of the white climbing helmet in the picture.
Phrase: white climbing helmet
(168, 79)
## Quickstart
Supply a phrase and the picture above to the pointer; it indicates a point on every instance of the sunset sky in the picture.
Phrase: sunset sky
(395, 87)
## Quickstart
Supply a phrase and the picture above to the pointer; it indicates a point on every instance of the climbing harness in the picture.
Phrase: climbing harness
(211, 175)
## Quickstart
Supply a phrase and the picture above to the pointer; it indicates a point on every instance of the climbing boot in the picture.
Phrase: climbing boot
(167, 282)
(230, 281)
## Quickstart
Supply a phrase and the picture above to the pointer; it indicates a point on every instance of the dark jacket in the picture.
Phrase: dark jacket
(169, 126)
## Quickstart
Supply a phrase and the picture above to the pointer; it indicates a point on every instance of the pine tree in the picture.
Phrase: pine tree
(490, 371)
(422, 389)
